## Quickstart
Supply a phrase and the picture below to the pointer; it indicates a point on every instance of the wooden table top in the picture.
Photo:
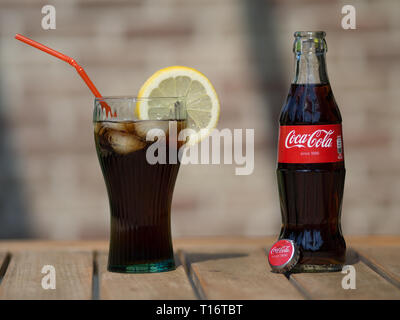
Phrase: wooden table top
(207, 268)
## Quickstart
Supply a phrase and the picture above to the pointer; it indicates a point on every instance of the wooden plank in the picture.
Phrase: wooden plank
(236, 274)
(165, 285)
(369, 284)
(23, 278)
(383, 260)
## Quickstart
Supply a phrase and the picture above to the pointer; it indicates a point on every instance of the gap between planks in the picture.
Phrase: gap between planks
(171, 285)
(372, 282)
(4, 262)
(236, 273)
(383, 261)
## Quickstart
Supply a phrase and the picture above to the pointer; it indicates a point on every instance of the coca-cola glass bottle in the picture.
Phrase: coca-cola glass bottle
(310, 167)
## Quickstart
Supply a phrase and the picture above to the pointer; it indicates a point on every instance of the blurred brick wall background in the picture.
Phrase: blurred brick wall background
(50, 181)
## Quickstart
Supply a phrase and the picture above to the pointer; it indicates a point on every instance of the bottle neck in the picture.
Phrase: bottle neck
(310, 68)
(310, 48)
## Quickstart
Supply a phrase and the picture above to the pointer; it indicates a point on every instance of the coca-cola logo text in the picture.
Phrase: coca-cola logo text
(318, 139)
(280, 250)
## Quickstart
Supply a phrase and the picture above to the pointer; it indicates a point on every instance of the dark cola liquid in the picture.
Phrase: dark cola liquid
(311, 194)
(140, 196)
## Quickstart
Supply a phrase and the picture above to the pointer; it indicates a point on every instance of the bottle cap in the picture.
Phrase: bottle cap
(283, 255)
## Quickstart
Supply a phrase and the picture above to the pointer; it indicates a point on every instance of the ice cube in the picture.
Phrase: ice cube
(101, 128)
(123, 142)
(118, 136)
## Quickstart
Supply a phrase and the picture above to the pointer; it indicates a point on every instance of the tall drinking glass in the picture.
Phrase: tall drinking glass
(139, 179)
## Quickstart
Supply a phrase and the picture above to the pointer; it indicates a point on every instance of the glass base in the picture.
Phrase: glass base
(162, 266)
(309, 268)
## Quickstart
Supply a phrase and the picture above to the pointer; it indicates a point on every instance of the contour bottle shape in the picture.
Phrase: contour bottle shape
(311, 169)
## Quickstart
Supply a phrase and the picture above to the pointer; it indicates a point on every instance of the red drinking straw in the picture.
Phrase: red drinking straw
(72, 62)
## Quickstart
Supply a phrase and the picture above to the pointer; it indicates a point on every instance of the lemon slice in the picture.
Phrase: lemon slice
(202, 104)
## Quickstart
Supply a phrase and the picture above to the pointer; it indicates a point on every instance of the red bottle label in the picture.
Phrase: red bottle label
(310, 144)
